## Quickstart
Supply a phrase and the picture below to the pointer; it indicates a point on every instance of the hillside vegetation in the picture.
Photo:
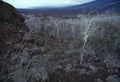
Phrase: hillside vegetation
(82, 49)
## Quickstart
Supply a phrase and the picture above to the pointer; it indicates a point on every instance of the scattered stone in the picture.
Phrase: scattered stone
(99, 80)
(36, 51)
(112, 63)
(113, 78)
(113, 71)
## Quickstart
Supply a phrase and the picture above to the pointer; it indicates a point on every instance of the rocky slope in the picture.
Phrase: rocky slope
(12, 29)
(51, 51)
(11, 24)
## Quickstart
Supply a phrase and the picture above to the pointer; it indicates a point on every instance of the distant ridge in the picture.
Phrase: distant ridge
(97, 6)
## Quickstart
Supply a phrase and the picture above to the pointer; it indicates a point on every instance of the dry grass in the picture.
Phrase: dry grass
(86, 34)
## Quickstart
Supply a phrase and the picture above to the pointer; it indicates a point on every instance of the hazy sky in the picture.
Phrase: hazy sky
(44, 3)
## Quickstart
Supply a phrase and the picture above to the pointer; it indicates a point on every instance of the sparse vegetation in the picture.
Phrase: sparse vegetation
(56, 48)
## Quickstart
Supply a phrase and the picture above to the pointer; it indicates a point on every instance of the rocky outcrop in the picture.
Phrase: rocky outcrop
(12, 26)
(12, 30)
(11, 15)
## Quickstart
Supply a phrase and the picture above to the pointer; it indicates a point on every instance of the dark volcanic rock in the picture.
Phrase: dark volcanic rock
(10, 14)
(12, 26)
(12, 30)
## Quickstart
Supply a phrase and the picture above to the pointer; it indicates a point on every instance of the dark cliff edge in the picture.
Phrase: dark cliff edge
(11, 21)
(12, 30)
